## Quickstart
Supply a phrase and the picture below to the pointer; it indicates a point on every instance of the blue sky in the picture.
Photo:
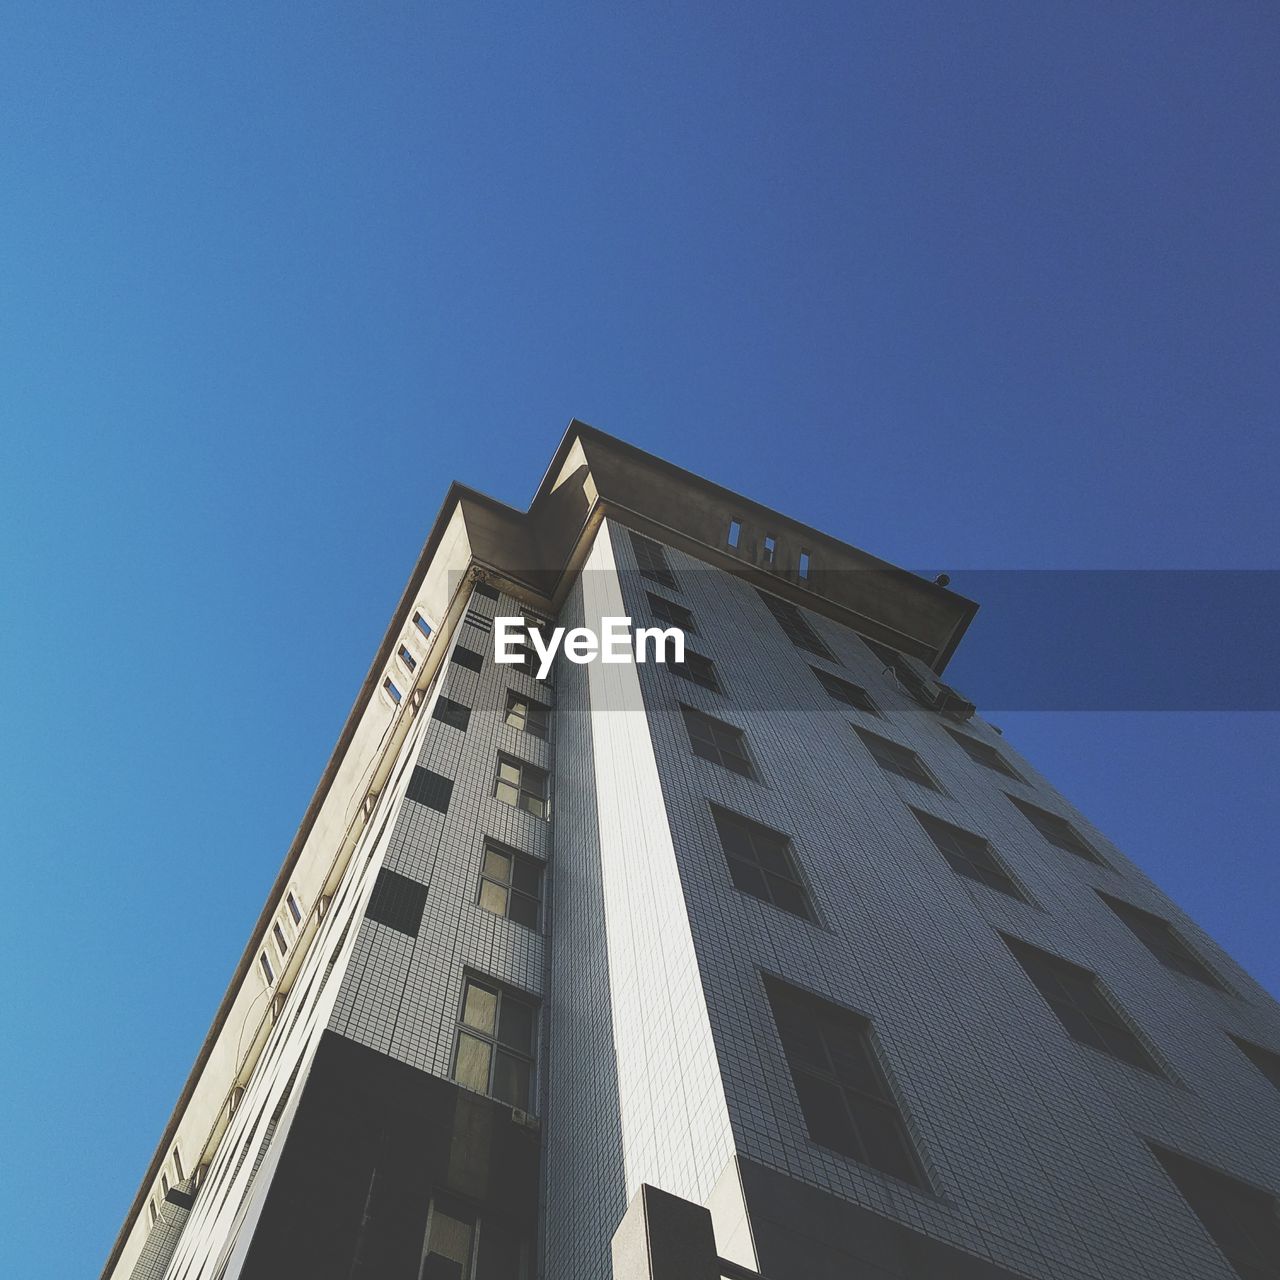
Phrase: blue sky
(982, 286)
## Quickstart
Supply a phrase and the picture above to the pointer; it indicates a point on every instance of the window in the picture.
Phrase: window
(796, 625)
(451, 1237)
(431, 789)
(408, 659)
(696, 668)
(1057, 831)
(770, 557)
(652, 561)
(453, 713)
(721, 743)
(893, 757)
(511, 885)
(761, 863)
(843, 1092)
(282, 944)
(468, 658)
(294, 909)
(527, 714)
(1162, 940)
(151, 1207)
(674, 615)
(392, 692)
(985, 754)
(397, 902)
(844, 691)
(485, 591)
(803, 570)
(1266, 1060)
(496, 1043)
(267, 971)
(177, 1164)
(735, 533)
(1081, 1004)
(522, 785)
(465, 1244)
(1243, 1220)
(529, 661)
(969, 855)
(164, 1182)
(422, 624)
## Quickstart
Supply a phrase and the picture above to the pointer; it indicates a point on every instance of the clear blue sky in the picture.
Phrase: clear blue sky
(971, 285)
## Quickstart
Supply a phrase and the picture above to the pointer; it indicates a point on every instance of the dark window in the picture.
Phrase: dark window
(408, 659)
(294, 909)
(1266, 1060)
(495, 1048)
(1057, 830)
(1161, 939)
(481, 621)
(1243, 1220)
(721, 743)
(796, 625)
(485, 591)
(985, 754)
(451, 1240)
(652, 561)
(803, 570)
(468, 658)
(432, 789)
(761, 863)
(422, 624)
(449, 712)
(1077, 997)
(522, 785)
(969, 855)
(463, 1244)
(282, 945)
(893, 757)
(696, 668)
(523, 646)
(397, 902)
(527, 714)
(267, 971)
(844, 691)
(392, 692)
(674, 615)
(511, 885)
(847, 1103)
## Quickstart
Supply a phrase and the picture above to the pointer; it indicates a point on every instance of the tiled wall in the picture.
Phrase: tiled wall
(1032, 1141)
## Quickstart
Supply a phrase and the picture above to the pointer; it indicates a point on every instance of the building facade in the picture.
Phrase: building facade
(785, 931)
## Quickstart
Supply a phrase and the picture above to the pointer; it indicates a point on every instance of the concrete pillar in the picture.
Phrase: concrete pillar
(662, 1237)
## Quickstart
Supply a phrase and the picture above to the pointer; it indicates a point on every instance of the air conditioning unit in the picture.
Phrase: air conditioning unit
(526, 1121)
(953, 705)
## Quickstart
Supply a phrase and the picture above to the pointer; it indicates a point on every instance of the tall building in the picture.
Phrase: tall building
(779, 961)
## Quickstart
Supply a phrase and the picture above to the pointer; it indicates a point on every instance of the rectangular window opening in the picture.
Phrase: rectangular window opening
(392, 692)
(840, 1083)
(735, 533)
(715, 740)
(422, 624)
(496, 1043)
(511, 885)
